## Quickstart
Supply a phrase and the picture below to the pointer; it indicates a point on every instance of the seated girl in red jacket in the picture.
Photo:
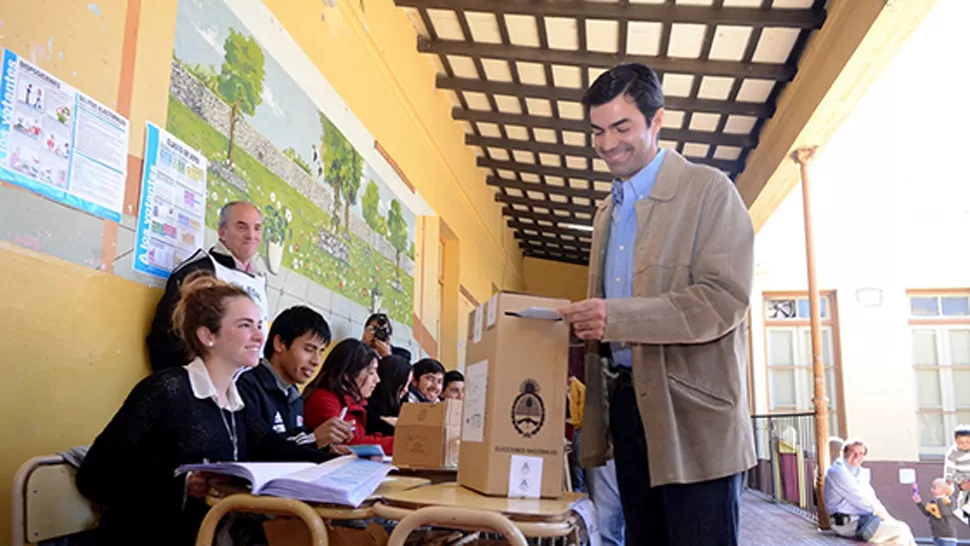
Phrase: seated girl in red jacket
(346, 380)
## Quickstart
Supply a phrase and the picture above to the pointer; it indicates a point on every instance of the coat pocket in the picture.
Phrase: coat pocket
(696, 391)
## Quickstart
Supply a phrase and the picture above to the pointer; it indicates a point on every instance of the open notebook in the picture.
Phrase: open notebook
(346, 480)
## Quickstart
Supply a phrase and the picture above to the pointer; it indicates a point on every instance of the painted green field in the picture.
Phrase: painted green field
(301, 252)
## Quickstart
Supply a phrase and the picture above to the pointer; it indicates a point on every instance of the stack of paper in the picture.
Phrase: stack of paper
(346, 481)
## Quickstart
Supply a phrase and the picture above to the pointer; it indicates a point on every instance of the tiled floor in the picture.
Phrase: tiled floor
(764, 523)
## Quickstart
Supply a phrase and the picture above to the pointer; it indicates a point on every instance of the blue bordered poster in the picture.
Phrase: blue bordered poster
(59, 142)
(171, 216)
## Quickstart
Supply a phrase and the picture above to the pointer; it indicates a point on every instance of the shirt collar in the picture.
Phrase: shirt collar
(290, 391)
(203, 388)
(253, 267)
(641, 183)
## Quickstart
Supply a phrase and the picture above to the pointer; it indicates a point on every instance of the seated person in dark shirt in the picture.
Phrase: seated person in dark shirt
(181, 415)
(427, 376)
(297, 339)
(377, 335)
(453, 386)
(395, 374)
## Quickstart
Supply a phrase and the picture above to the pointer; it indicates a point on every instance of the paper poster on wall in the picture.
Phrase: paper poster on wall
(59, 142)
(171, 217)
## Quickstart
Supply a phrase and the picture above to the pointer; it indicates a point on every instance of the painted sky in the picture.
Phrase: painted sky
(286, 116)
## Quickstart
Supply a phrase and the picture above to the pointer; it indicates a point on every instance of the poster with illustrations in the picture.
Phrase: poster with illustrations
(171, 216)
(327, 214)
(60, 143)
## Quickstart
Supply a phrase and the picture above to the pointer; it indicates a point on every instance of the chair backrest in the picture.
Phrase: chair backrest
(46, 502)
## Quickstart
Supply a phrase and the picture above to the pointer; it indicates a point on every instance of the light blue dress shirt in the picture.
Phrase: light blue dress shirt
(618, 266)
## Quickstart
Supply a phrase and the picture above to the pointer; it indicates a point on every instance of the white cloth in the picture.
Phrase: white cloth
(956, 466)
(254, 285)
(202, 386)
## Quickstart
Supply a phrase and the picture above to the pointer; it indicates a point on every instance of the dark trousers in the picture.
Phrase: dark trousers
(696, 514)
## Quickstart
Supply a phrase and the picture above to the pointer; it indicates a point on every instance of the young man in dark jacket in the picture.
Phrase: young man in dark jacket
(297, 339)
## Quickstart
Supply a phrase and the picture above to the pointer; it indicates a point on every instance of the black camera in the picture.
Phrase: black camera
(382, 328)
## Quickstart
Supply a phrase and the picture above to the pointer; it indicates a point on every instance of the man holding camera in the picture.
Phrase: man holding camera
(377, 334)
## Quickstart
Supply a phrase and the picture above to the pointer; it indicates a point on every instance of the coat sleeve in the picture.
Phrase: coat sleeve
(716, 301)
(264, 444)
(115, 465)
(320, 407)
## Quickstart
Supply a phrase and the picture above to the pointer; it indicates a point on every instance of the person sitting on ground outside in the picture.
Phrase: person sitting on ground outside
(345, 382)
(943, 522)
(428, 374)
(183, 415)
(377, 334)
(851, 501)
(234, 260)
(453, 386)
(395, 374)
(297, 339)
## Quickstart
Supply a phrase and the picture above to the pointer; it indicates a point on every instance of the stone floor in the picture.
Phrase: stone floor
(764, 523)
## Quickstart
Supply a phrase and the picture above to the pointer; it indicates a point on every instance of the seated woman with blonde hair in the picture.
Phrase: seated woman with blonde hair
(182, 415)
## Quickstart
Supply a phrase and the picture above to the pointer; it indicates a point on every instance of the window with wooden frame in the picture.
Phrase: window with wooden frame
(788, 340)
(939, 323)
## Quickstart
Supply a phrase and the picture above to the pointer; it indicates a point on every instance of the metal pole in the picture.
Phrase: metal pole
(803, 156)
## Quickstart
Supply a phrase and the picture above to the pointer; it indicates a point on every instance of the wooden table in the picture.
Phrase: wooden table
(435, 475)
(236, 499)
(534, 518)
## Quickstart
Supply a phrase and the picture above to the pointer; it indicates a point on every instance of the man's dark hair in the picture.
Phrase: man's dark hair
(961, 430)
(451, 377)
(293, 323)
(635, 80)
(426, 366)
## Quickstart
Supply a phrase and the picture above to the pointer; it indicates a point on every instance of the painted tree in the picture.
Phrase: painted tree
(398, 232)
(370, 204)
(241, 80)
(342, 165)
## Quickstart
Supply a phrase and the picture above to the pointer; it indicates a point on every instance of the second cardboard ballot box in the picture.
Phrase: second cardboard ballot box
(513, 422)
(427, 435)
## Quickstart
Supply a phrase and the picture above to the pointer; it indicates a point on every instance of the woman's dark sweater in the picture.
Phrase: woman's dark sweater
(130, 468)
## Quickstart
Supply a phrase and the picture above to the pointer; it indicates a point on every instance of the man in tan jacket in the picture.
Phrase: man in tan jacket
(670, 278)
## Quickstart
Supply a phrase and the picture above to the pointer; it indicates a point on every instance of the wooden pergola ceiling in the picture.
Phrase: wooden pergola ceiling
(515, 71)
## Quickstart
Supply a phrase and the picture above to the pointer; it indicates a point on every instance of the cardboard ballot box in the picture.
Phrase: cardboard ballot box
(427, 435)
(515, 398)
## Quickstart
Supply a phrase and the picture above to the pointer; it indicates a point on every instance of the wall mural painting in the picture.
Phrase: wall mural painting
(327, 215)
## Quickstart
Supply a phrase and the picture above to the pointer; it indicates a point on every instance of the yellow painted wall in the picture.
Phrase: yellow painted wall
(73, 343)
(555, 279)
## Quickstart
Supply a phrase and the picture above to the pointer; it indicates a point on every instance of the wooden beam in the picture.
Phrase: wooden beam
(518, 224)
(458, 113)
(572, 207)
(580, 246)
(731, 69)
(544, 170)
(542, 255)
(794, 18)
(566, 252)
(578, 151)
(545, 188)
(756, 109)
(552, 218)
(841, 61)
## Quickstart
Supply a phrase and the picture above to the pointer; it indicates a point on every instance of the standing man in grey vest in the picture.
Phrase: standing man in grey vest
(670, 277)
